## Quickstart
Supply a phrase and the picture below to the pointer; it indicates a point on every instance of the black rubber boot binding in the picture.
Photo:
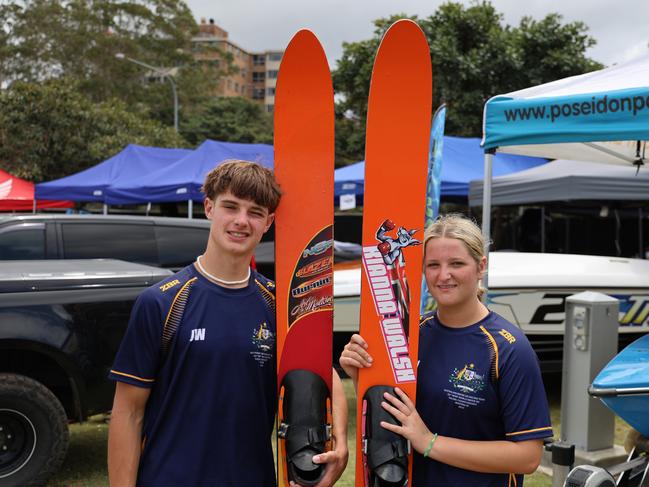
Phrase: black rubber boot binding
(304, 426)
(386, 452)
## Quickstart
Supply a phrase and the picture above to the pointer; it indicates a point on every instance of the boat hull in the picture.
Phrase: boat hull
(623, 385)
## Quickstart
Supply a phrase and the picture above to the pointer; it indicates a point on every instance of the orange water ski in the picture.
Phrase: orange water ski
(304, 168)
(396, 154)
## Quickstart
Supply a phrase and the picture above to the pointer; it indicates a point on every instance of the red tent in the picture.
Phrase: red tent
(18, 195)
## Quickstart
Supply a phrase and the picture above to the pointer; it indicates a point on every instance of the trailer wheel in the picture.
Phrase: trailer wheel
(33, 432)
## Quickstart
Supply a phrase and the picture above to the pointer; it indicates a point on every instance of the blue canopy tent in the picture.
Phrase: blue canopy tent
(350, 180)
(462, 162)
(182, 180)
(91, 184)
(602, 116)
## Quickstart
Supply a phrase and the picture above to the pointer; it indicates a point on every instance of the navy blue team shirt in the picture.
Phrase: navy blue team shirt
(210, 415)
(481, 382)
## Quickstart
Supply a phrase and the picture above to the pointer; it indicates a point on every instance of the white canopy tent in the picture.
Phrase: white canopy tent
(602, 116)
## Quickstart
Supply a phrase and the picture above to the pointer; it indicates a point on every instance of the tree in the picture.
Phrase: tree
(352, 83)
(549, 50)
(229, 119)
(78, 40)
(475, 56)
(49, 130)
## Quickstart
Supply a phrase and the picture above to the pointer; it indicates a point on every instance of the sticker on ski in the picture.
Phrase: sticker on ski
(385, 266)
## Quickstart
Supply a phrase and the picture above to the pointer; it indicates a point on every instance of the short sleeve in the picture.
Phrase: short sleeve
(524, 403)
(138, 357)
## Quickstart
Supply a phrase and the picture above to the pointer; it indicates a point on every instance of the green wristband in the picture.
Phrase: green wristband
(430, 445)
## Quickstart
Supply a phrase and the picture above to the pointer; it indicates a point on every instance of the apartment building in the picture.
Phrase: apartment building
(255, 76)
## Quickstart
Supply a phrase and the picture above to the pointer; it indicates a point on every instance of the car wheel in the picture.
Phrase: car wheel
(33, 432)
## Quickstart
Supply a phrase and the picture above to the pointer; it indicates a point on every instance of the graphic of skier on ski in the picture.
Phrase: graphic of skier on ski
(390, 248)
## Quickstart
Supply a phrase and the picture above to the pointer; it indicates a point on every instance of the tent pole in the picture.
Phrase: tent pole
(618, 225)
(640, 236)
(34, 206)
(190, 209)
(105, 209)
(486, 208)
(543, 229)
(610, 152)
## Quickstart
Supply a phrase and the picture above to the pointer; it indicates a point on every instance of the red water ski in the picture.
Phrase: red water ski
(396, 161)
(304, 168)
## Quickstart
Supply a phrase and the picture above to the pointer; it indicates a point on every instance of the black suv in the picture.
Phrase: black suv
(61, 322)
(171, 243)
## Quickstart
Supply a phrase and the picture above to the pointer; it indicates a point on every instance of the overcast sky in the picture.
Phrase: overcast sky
(620, 27)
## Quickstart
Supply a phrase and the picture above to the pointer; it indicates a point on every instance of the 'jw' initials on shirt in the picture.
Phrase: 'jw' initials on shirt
(197, 334)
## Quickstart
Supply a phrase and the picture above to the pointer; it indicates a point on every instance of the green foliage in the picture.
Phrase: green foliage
(50, 130)
(352, 84)
(549, 50)
(475, 56)
(350, 137)
(231, 119)
(78, 40)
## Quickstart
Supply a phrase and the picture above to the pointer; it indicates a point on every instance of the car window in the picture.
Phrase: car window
(23, 243)
(130, 242)
(178, 246)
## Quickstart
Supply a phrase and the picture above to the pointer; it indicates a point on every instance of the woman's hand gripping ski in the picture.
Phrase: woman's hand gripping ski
(355, 356)
(412, 426)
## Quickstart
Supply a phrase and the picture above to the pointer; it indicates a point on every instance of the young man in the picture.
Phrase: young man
(196, 391)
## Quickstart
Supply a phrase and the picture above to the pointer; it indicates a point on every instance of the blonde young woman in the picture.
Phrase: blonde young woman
(481, 412)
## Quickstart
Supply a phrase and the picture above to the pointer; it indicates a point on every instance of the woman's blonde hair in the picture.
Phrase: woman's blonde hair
(455, 225)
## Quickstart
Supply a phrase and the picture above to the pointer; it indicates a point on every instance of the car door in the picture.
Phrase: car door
(179, 246)
(130, 241)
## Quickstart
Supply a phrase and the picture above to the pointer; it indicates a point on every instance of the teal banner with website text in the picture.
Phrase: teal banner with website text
(614, 115)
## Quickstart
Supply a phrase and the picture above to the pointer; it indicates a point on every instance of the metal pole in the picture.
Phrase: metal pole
(543, 229)
(640, 236)
(190, 209)
(563, 459)
(173, 89)
(486, 209)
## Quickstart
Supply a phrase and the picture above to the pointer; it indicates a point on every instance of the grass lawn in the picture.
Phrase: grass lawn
(85, 465)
